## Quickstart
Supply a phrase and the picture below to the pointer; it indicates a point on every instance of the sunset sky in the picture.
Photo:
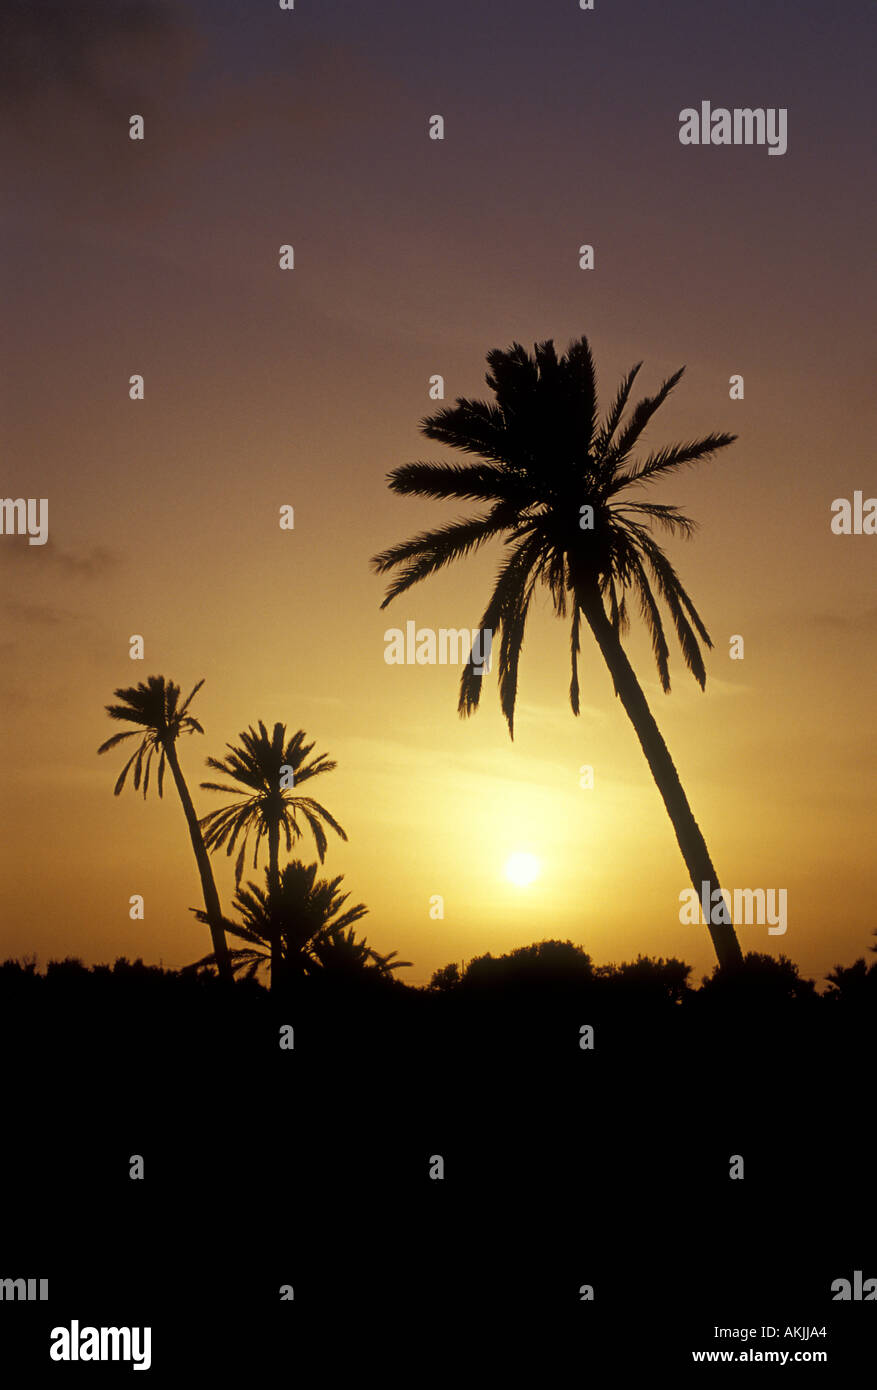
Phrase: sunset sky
(266, 387)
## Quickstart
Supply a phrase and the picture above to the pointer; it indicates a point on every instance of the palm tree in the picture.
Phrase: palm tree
(350, 956)
(155, 708)
(558, 487)
(307, 917)
(262, 768)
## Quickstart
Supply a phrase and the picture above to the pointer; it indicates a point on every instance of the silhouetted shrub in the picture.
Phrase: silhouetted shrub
(548, 964)
(648, 981)
(854, 984)
(448, 977)
(760, 980)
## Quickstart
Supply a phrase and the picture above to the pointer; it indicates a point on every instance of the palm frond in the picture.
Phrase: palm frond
(432, 550)
(512, 623)
(120, 781)
(189, 698)
(117, 738)
(130, 716)
(307, 803)
(652, 616)
(675, 597)
(670, 518)
(481, 482)
(617, 409)
(670, 582)
(674, 456)
(509, 582)
(580, 386)
(473, 427)
(642, 414)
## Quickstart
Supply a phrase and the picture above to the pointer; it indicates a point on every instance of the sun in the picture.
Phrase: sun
(522, 868)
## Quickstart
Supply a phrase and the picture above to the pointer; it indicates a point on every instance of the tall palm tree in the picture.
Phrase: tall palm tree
(558, 484)
(155, 708)
(306, 915)
(261, 768)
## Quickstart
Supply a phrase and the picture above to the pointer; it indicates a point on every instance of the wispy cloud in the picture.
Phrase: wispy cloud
(80, 53)
(851, 621)
(82, 70)
(41, 614)
(92, 563)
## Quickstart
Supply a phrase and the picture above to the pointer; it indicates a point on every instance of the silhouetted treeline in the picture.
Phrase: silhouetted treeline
(542, 968)
(585, 1114)
(541, 995)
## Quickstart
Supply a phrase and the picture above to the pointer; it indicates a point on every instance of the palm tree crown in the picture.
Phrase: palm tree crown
(307, 916)
(264, 805)
(544, 461)
(155, 707)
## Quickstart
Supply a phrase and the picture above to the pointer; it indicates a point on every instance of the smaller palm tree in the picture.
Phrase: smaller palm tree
(155, 709)
(263, 768)
(347, 955)
(308, 918)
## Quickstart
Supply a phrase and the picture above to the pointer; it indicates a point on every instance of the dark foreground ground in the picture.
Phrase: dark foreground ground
(310, 1168)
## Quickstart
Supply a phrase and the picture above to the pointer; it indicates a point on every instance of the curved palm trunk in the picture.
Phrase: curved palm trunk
(208, 883)
(688, 832)
(274, 901)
